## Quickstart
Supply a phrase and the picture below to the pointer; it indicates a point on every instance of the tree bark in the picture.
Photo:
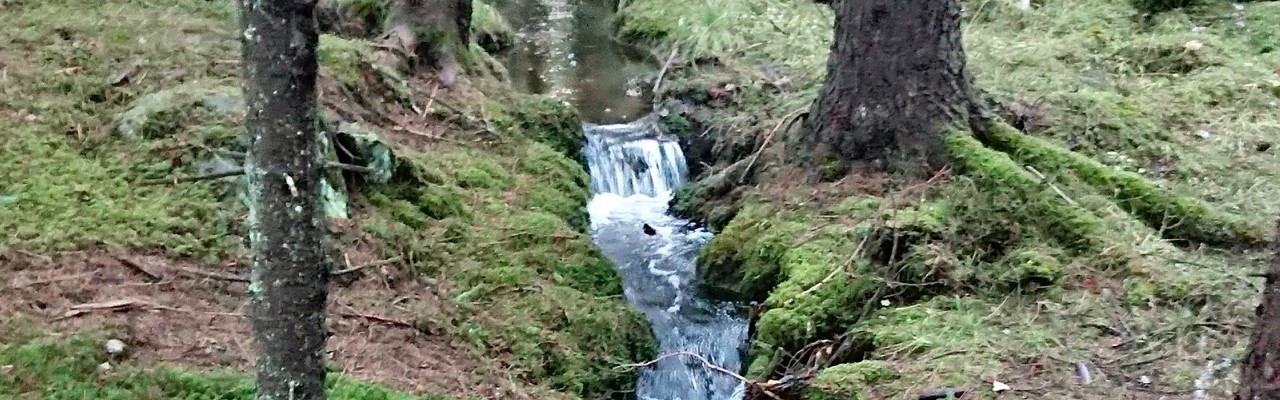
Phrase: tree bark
(434, 31)
(288, 284)
(896, 79)
(1260, 371)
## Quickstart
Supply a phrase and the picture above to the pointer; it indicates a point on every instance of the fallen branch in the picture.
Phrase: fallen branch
(378, 318)
(767, 139)
(129, 305)
(707, 364)
(240, 171)
(194, 178)
(212, 275)
(667, 64)
(379, 263)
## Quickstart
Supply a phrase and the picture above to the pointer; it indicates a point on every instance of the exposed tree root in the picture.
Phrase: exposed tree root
(1175, 216)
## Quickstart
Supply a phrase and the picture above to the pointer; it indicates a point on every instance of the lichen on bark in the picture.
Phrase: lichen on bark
(290, 271)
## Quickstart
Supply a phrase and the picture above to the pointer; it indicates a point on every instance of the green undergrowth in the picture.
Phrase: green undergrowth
(69, 369)
(1140, 160)
(108, 103)
(69, 184)
(504, 224)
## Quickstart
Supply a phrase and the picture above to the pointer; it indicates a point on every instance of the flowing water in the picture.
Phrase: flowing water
(633, 172)
(565, 49)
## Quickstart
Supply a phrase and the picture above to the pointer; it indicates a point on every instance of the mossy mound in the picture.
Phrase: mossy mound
(504, 226)
(487, 203)
(1123, 187)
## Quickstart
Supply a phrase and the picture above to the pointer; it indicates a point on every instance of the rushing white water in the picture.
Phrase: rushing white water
(633, 173)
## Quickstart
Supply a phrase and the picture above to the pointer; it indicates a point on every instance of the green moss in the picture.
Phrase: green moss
(1177, 217)
(1073, 227)
(344, 58)
(743, 261)
(67, 370)
(353, 63)
(849, 381)
(545, 120)
(505, 223)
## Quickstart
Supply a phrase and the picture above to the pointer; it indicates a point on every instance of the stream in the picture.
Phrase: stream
(565, 49)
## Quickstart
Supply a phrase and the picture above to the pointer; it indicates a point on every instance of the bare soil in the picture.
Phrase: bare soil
(193, 315)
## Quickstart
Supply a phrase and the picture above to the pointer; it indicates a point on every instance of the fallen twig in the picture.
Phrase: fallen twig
(378, 318)
(194, 178)
(1051, 185)
(212, 275)
(127, 305)
(378, 263)
(857, 252)
(663, 72)
(767, 139)
(240, 171)
(137, 266)
(707, 364)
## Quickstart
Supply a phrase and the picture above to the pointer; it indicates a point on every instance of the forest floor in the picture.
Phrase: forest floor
(482, 286)
(987, 290)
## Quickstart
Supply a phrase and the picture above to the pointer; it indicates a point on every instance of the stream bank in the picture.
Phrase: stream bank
(474, 201)
(896, 282)
(568, 52)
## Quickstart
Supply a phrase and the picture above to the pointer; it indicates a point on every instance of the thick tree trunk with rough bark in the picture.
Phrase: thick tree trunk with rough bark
(1260, 373)
(436, 32)
(288, 286)
(896, 80)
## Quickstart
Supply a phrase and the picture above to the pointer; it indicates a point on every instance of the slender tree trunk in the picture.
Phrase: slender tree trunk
(1261, 368)
(288, 286)
(896, 79)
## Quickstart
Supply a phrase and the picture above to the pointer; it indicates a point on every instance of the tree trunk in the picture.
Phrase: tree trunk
(896, 80)
(288, 286)
(436, 32)
(1261, 367)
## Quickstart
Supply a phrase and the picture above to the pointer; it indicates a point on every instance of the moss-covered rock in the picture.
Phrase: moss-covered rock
(546, 120)
(852, 381)
(215, 106)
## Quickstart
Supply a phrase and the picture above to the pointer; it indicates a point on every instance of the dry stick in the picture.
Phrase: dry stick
(663, 72)
(706, 363)
(212, 275)
(1051, 185)
(378, 318)
(240, 171)
(766, 141)
(856, 252)
(379, 263)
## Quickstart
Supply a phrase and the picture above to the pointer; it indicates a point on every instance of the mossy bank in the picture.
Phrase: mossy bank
(114, 106)
(1114, 197)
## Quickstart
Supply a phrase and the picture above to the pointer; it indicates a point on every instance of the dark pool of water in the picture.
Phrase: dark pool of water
(566, 48)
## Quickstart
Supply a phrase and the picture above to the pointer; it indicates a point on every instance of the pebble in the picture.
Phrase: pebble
(115, 346)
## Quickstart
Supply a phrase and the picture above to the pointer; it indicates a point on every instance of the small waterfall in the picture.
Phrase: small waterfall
(634, 170)
(633, 158)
